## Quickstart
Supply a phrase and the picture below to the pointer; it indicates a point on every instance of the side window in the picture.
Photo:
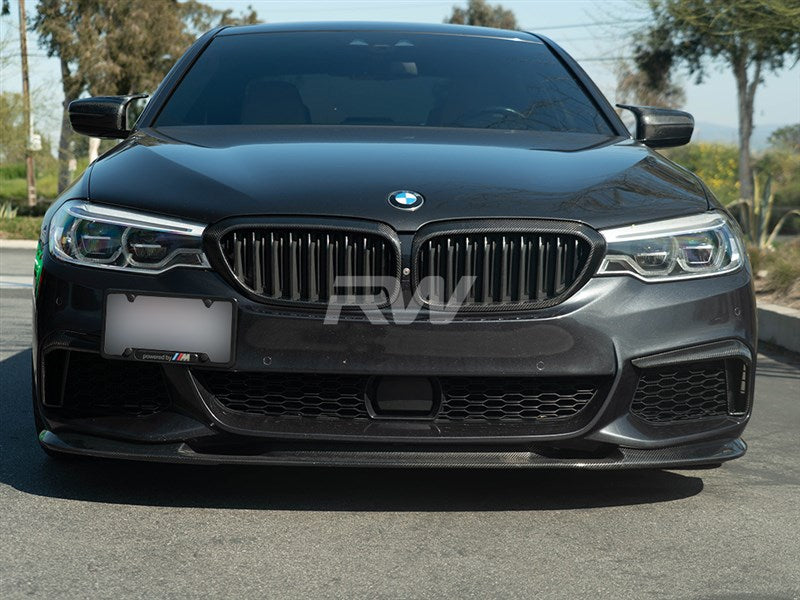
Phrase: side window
(135, 110)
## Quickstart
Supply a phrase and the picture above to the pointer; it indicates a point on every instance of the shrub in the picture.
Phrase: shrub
(7, 211)
(716, 164)
(783, 267)
(756, 256)
(13, 171)
(756, 216)
(20, 228)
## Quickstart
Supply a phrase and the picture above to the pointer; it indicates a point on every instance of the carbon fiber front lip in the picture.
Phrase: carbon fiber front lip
(623, 458)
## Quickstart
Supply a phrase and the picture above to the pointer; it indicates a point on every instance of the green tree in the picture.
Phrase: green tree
(648, 81)
(12, 129)
(13, 184)
(479, 12)
(715, 164)
(782, 162)
(786, 139)
(749, 36)
(199, 17)
(117, 47)
(635, 86)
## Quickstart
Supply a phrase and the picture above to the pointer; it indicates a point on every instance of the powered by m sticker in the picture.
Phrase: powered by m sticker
(163, 356)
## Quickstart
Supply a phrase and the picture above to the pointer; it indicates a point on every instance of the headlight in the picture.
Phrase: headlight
(111, 238)
(683, 248)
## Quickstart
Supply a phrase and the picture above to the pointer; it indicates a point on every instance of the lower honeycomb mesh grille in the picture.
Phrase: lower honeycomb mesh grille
(681, 392)
(289, 395)
(513, 399)
(94, 386)
(463, 399)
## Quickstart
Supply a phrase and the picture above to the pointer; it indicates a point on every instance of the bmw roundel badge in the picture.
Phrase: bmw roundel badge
(406, 200)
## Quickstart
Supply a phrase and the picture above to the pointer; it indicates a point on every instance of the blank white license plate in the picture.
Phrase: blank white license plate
(168, 329)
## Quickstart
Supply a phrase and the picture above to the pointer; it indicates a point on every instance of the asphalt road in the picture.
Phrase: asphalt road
(88, 529)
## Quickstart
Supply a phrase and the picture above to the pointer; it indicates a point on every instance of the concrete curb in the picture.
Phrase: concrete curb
(19, 244)
(779, 326)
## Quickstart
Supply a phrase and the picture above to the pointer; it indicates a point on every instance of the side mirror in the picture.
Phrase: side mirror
(661, 127)
(102, 116)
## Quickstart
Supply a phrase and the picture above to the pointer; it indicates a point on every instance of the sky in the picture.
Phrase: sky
(595, 32)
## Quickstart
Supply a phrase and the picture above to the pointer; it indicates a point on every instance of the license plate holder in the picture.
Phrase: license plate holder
(168, 328)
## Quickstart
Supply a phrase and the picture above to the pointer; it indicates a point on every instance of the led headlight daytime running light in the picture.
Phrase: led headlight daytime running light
(683, 248)
(111, 238)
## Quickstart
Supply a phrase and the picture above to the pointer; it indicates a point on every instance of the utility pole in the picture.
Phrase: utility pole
(26, 105)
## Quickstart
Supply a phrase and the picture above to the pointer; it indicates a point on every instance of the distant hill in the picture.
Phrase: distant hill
(711, 132)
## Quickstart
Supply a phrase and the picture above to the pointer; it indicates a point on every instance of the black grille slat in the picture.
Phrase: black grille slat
(294, 269)
(469, 267)
(504, 272)
(510, 269)
(541, 271)
(333, 262)
(558, 271)
(450, 280)
(275, 272)
(313, 269)
(237, 258)
(257, 265)
(522, 270)
(683, 392)
(298, 265)
(349, 270)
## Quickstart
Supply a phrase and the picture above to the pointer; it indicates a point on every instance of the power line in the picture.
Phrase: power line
(588, 38)
(18, 54)
(578, 25)
(609, 59)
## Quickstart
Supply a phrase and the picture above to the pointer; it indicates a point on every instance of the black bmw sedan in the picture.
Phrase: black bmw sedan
(385, 244)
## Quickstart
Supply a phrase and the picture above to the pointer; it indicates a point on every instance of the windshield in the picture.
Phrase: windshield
(381, 78)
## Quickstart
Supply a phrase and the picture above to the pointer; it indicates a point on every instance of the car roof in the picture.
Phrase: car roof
(441, 28)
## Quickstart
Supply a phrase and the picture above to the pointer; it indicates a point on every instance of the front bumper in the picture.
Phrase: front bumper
(598, 332)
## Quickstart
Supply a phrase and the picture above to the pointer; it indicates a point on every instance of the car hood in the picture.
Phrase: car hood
(208, 173)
